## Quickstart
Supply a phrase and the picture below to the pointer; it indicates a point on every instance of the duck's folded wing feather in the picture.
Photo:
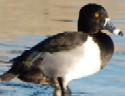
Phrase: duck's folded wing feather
(60, 42)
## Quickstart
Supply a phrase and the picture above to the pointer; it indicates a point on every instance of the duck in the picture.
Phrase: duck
(66, 56)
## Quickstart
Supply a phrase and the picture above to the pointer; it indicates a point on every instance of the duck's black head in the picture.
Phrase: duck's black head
(93, 18)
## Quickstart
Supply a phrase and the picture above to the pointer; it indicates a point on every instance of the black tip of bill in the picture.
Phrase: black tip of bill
(117, 32)
(120, 33)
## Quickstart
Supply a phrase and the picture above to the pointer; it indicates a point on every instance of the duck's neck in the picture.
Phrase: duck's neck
(87, 30)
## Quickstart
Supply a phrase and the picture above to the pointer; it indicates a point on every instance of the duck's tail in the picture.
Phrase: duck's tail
(10, 74)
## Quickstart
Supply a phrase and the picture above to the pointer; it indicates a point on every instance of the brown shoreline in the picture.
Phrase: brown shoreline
(44, 17)
(47, 17)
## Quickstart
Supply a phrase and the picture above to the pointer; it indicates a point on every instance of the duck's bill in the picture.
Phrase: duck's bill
(110, 27)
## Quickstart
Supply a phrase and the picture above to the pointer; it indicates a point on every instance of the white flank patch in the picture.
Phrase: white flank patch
(89, 62)
(79, 62)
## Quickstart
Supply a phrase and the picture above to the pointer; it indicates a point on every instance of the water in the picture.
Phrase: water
(108, 82)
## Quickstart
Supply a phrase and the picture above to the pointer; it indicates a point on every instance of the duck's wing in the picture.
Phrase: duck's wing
(60, 42)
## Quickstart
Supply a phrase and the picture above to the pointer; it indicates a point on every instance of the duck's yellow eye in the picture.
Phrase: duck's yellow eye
(97, 15)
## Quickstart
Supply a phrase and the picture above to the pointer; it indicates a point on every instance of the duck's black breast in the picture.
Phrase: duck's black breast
(106, 46)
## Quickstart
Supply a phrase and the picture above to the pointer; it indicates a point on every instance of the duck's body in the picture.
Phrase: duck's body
(80, 60)
(67, 56)
(75, 61)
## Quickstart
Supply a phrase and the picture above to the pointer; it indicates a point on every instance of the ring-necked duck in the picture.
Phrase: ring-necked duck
(70, 55)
